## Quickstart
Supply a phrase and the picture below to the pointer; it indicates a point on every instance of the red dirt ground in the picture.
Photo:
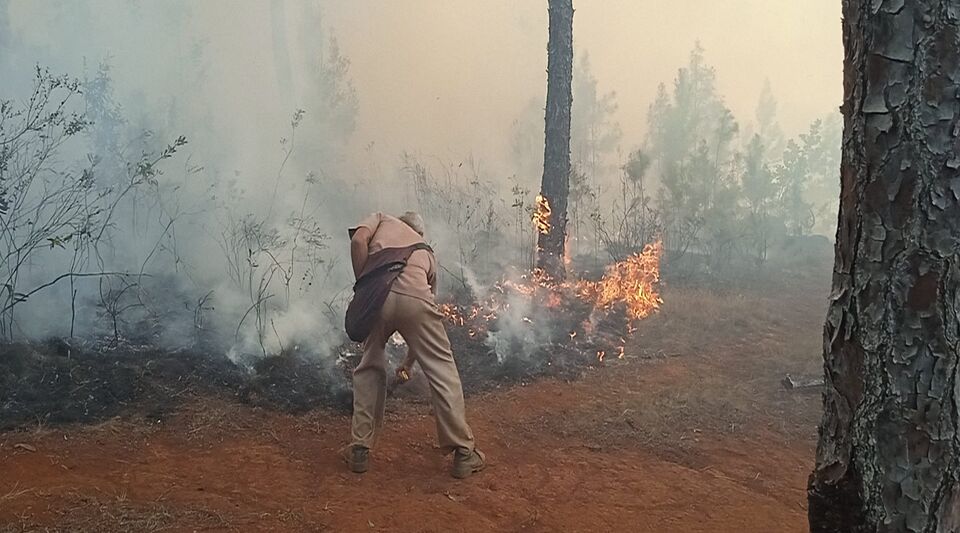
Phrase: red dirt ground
(691, 432)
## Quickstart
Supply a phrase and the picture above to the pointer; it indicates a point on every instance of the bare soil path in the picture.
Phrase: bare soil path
(690, 432)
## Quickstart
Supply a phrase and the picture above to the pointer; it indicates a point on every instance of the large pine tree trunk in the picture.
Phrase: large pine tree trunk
(889, 452)
(555, 186)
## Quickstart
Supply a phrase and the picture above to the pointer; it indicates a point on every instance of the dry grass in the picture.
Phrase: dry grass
(735, 347)
(211, 418)
(699, 321)
(113, 427)
(116, 512)
(13, 494)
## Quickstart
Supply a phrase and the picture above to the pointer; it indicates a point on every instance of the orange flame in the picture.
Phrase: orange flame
(541, 215)
(631, 282)
(631, 285)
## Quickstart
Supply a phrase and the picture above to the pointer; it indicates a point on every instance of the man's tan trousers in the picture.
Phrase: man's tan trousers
(421, 325)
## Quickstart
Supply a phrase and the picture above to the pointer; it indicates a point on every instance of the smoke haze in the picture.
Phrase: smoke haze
(445, 77)
(449, 83)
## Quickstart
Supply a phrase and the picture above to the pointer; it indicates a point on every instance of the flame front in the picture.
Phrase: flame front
(541, 215)
(631, 285)
(632, 282)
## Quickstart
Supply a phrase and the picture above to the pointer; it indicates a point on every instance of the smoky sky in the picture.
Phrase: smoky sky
(441, 77)
(446, 80)
(450, 75)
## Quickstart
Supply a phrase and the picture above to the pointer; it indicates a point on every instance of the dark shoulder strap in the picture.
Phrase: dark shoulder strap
(420, 246)
(390, 260)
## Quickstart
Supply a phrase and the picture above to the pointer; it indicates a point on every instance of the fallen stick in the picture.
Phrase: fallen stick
(791, 383)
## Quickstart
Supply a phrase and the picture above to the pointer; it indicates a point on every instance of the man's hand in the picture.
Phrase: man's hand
(405, 370)
(360, 249)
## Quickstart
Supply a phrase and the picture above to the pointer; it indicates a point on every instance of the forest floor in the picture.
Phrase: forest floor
(692, 431)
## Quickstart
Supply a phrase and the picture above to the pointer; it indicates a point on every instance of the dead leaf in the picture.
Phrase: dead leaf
(24, 446)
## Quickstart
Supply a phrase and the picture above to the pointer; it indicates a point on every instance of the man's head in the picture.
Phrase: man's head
(414, 220)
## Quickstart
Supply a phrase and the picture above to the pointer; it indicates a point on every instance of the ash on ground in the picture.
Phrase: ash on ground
(547, 334)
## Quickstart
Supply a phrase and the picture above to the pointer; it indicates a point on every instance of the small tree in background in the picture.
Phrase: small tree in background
(690, 139)
(629, 221)
(768, 129)
(48, 206)
(760, 196)
(594, 132)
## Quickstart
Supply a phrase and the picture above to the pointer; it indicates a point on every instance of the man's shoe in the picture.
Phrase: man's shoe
(467, 463)
(358, 458)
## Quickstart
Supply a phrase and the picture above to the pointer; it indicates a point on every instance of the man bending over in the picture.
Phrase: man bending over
(410, 309)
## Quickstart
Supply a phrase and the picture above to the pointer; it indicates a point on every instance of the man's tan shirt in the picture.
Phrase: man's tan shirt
(419, 278)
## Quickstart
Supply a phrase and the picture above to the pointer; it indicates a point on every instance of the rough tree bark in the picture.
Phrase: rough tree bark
(555, 185)
(889, 452)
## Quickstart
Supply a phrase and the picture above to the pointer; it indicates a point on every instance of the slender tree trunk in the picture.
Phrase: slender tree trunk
(555, 186)
(889, 452)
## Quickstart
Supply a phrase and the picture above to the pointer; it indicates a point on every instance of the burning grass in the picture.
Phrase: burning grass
(534, 326)
(523, 328)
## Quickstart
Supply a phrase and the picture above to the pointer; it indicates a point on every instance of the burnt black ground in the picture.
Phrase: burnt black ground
(85, 381)
(56, 382)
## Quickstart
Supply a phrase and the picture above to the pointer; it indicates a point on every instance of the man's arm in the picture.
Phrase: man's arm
(432, 275)
(360, 249)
